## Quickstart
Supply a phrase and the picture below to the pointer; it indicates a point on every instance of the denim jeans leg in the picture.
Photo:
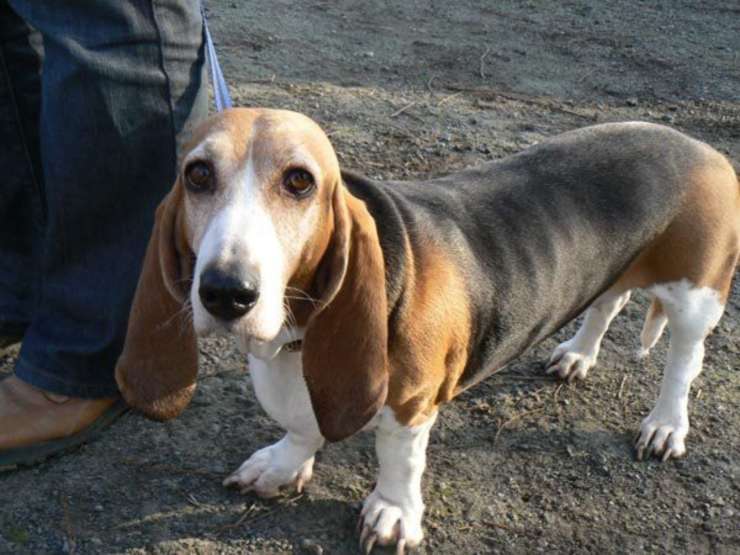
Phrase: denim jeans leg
(21, 191)
(120, 80)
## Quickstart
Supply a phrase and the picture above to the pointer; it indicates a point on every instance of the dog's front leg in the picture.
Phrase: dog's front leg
(282, 392)
(392, 512)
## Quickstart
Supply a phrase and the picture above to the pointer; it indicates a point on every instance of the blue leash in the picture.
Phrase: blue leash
(220, 88)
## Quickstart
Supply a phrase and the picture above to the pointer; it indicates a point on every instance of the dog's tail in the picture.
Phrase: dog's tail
(652, 329)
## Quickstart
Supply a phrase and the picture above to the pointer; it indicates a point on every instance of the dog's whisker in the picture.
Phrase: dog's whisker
(304, 295)
(290, 318)
(184, 315)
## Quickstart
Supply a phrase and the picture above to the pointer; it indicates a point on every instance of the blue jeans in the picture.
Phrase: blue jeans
(93, 96)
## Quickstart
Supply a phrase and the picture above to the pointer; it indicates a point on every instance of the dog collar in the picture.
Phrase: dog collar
(293, 346)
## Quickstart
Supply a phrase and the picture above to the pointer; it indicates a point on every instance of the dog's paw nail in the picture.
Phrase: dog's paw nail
(369, 544)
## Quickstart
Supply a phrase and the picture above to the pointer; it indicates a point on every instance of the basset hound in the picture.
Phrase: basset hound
(366, 305)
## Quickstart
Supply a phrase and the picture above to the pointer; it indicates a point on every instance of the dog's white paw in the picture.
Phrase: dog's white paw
(571, 363)
(270, 469)
(662, 433)
(386, 523)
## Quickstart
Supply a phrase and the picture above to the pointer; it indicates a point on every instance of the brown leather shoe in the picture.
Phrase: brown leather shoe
(7, 341)
(35, 424)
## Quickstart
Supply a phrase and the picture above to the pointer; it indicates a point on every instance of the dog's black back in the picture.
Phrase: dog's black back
(540, 234)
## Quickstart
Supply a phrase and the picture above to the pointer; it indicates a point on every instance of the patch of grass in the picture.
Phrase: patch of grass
(15, 535)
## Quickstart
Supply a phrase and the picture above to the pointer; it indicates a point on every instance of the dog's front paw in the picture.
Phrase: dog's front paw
(385, 523)
(571, 362)
(270, 469)
(662, 433)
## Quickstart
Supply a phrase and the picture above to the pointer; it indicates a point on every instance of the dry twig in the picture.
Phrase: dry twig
(429, 85)
(260, 516)
(68, 530)
(248, 511)
(621, 388)
(448, 97)
(193, 500)
(482, 59)
(526, 99)
(402, 110)
(556, 394)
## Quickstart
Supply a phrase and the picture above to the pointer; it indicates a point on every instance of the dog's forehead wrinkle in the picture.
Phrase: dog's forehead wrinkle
(217, 145)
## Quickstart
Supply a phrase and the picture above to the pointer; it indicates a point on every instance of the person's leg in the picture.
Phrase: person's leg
(120, 80)
(21, 219)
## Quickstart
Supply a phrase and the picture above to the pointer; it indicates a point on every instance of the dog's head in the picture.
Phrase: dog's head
(259, 236)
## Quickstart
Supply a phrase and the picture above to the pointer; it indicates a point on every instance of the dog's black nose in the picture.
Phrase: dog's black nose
(226, 296)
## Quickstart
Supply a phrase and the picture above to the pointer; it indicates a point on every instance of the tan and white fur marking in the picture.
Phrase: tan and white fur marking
(244, 230)
(405, 294)
(392, 513)
(281, 390)
(573, 359)
(691, 313)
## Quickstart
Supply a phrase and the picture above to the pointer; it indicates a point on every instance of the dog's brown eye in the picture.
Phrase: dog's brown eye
(199, 176)
(298, 183)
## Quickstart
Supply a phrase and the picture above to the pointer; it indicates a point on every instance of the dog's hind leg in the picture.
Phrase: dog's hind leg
(689, 269)
(573, 359)
(692, 313)
(652, 329)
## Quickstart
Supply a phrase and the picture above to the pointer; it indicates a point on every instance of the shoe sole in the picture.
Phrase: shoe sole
(35, 454)
(8, 342)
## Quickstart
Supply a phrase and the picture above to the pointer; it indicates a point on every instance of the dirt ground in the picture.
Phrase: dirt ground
(520, 463)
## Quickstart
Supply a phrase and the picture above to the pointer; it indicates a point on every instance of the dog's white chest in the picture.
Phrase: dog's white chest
(282, 391)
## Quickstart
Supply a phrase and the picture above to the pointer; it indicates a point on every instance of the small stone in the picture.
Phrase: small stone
(217, 469)
(312, 546)
(235, 388)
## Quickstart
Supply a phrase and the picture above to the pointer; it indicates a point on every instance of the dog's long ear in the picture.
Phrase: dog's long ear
(345, 347)
(157, 370)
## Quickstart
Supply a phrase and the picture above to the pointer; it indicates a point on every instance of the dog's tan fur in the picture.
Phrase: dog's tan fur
(414, 366)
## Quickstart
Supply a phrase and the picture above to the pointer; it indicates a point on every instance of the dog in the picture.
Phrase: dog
(366, 305)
